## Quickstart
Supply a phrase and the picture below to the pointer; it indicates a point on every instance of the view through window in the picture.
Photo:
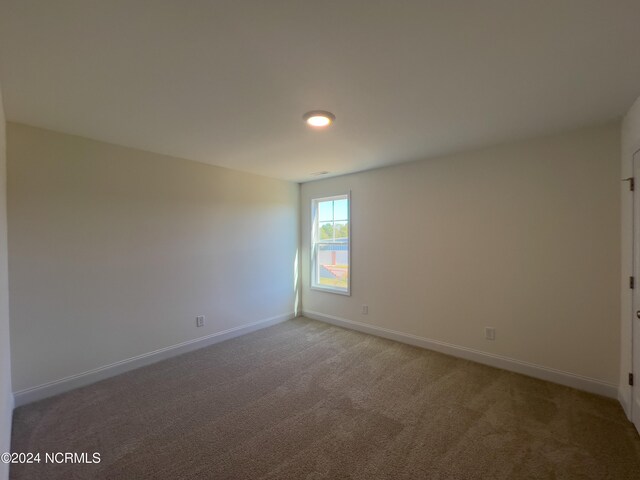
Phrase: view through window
(331, 244)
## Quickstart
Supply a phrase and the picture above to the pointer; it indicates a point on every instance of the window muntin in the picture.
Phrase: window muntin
(331, 244)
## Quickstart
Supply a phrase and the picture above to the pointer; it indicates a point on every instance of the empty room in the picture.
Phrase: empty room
(355, 239)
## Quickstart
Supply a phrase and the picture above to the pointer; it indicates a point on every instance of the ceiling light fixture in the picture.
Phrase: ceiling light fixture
(319, 118)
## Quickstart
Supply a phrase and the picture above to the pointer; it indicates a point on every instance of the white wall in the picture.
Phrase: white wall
(6, 397)
(114, 251)
(523, 237)
(630, 144)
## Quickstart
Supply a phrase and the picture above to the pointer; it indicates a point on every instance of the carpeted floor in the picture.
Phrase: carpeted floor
(306, 400)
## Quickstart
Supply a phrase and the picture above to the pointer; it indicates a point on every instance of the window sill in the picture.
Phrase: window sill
(331, 290)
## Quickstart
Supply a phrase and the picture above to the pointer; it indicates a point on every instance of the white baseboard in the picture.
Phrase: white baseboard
(537, 371)
(28, 395)
(624, 397)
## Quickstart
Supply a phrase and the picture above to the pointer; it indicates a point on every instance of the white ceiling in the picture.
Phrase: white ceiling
(227, 82)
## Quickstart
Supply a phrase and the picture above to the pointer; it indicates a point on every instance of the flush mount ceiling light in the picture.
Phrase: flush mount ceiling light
(319, 118)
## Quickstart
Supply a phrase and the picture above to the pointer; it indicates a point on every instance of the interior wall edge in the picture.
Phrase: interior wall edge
(6, 396)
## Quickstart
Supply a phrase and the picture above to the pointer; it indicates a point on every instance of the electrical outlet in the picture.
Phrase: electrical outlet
(365, 309)
(489, 333)
(200, 321)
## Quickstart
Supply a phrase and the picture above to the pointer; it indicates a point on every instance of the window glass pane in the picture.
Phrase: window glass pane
(341, 209)
(325, 211)
(341, 230)
(325, 231)
(330, 248)
(333, 264)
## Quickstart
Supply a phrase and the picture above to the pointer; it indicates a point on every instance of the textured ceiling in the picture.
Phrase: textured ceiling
(227, 82)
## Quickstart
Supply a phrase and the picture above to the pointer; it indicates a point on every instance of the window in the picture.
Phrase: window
(330, 244)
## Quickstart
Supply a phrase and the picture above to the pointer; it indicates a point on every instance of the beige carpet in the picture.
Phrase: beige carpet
(306, 400)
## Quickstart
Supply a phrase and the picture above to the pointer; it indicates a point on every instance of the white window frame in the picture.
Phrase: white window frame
(314, 258)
